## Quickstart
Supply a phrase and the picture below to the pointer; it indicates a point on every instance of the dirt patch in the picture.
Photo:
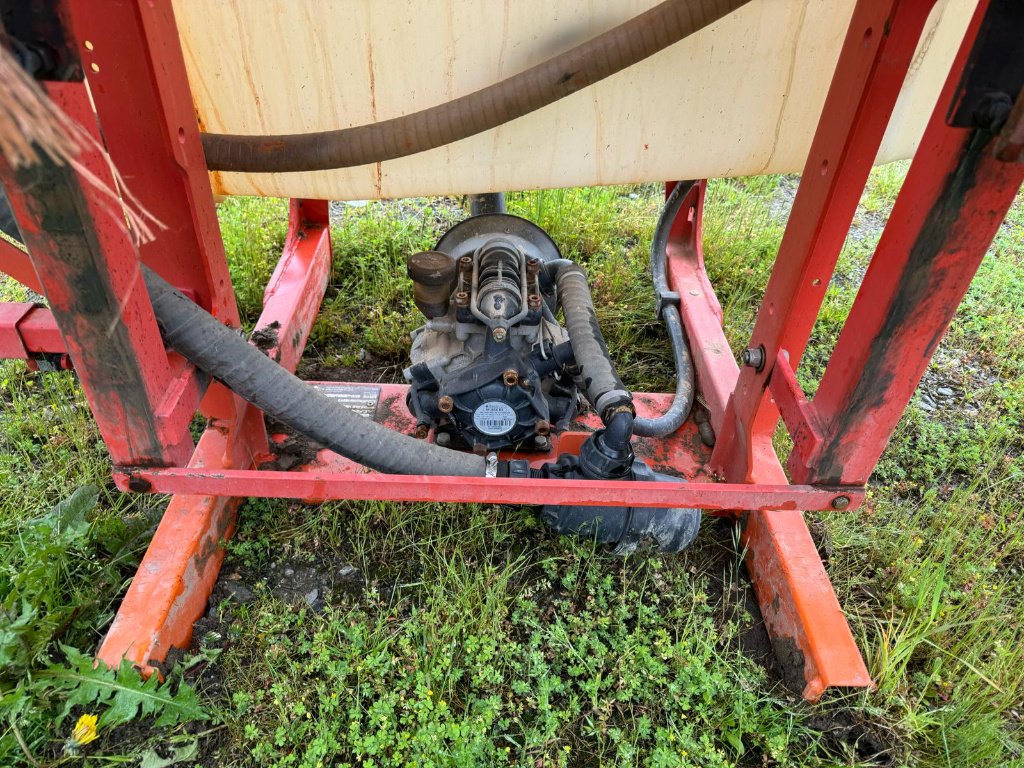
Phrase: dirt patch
(294, 450)
(314, 370)
(266, 338)
(843, 731)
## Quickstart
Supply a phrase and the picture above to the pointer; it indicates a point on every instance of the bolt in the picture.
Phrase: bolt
(754, 358)
(462, 299)
(542, 442)
(443, 439)
(499, 334)
(532, 266)
(840, 502)
(542, 427)
(533, 301)
(993, 110)
(421, 431)
(445, 404)
(510, 377)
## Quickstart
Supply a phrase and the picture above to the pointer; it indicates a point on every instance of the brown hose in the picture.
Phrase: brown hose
(476, 112)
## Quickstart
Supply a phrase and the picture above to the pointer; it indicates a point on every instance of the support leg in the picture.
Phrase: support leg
(180, 567)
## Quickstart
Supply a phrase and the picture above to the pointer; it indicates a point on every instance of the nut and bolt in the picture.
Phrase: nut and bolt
(754, 358)
(532, 266)
(466, 264)
(533, 301)
(993, 110)
(421, 431)
(445, 404)
(499, 334)
(443, 439)
(542, 442)
(840, 502)
(510, 377)
(542, 427)
(462, 299)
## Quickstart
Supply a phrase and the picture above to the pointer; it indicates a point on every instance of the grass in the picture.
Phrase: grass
(469, 635)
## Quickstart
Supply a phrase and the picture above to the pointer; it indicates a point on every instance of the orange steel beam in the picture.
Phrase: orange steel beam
(180, 568)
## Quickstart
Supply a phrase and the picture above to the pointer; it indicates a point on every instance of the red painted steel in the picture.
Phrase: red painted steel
(798, 414)
(181, 565)
(799, 606)
(145, 108)
(177, 573)
(955, 196)
(39, 332)
(879, 47)
(12, 345)
(90, 275)
(301, 272)
(311, 485)
(797, 601)
(28, 331)
(715, 367)
(17, 264)
(332, 476)
(137, 76)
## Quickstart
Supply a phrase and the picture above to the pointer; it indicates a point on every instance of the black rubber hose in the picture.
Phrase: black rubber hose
(673, 418)
(224, 354)
(601, 383)
(594, 60)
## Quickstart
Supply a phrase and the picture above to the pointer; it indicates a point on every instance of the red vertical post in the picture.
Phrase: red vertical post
(879, 46)
(181, 565)
(955, 196)
(88, 267)
(132, 57)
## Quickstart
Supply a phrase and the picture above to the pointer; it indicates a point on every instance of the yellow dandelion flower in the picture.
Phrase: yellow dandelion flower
(85, 730)
(83, 733)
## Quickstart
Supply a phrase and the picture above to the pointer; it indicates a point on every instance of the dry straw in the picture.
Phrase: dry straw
(31, 125)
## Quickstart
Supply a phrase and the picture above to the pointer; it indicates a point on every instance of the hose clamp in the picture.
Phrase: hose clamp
(665, 299)
(610, 398)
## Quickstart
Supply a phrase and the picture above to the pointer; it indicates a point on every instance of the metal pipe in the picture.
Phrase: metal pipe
(487, 202)
(673, 418)
(222, 353)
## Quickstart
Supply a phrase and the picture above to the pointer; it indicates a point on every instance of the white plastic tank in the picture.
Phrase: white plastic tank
(740, 97)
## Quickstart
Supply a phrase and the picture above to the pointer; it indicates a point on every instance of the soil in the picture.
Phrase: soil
(312, 370)
(841, 727)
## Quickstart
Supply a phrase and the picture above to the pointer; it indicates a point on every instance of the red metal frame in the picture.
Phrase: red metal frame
(144, 397)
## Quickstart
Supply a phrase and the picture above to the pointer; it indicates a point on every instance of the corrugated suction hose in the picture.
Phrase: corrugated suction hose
(544, 84)
(227, 356)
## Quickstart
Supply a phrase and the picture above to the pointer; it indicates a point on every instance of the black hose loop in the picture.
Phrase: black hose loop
(223, 354)
(682, 402)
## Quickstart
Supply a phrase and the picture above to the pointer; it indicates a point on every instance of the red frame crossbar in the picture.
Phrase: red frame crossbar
(143, 397)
